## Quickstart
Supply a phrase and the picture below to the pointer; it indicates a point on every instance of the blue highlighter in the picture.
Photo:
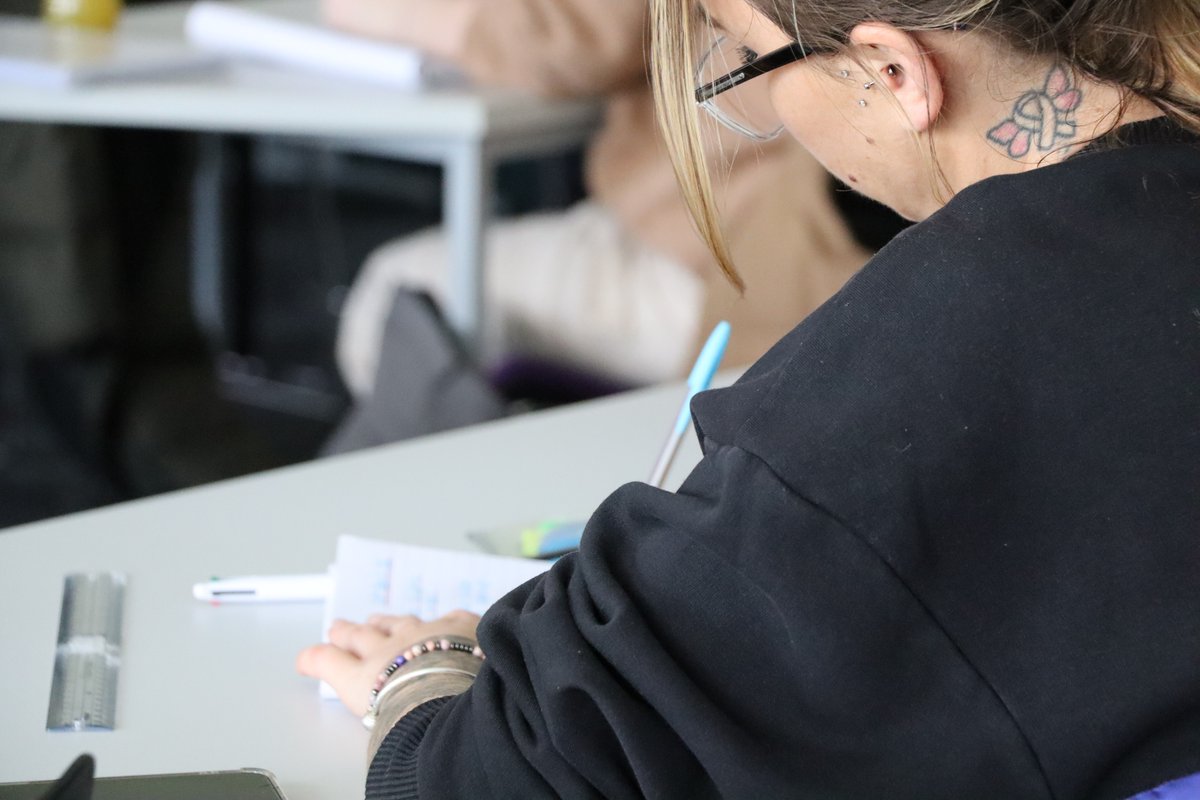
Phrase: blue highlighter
(551, 539)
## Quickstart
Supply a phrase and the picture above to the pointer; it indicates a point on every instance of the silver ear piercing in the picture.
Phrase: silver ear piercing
(869, 85)
(844, 73)
(862, 103)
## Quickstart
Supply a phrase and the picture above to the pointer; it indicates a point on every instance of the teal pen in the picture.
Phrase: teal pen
(557, 539)
(699, 380)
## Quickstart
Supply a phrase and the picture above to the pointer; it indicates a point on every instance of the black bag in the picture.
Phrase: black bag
(426, 382)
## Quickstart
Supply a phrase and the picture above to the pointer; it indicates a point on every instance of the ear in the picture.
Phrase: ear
(898, 61)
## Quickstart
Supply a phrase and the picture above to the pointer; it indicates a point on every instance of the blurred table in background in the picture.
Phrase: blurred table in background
(467, 132)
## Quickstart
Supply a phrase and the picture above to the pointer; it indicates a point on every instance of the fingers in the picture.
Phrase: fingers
(459, 622)
(386, 632)
(410, 629)
(356, 653)
(393, 625)
(341, 670)
(325, 661)
(363, 641)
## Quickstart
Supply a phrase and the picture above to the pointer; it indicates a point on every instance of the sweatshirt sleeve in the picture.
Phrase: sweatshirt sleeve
(728, 640)
(393, 771)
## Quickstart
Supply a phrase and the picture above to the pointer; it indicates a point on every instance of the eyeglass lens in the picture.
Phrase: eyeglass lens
(746, 108)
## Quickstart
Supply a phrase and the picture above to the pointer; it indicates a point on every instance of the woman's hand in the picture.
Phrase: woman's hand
(356, 654)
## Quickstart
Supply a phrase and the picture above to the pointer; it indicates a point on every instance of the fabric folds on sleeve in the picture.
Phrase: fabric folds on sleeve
(728, 640)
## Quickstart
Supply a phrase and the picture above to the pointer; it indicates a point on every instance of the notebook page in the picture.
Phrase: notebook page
(378, 577)
(372, 576)
(300, 43)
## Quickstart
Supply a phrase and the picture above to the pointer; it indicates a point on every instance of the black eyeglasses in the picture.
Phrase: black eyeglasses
(789, 54)
(750, 116)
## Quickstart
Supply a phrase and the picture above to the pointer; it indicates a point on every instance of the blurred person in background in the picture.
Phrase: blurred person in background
(619, 285)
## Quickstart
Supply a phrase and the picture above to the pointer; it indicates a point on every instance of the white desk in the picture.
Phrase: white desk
(464, 131)
(206, 688)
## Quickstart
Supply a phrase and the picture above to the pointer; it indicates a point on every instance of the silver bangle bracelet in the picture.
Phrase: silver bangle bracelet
(368, 719)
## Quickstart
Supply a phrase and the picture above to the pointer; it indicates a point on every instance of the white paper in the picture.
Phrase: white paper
(377, 577)
(224, 28)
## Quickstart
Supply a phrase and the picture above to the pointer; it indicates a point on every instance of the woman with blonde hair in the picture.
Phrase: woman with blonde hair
(943, 539)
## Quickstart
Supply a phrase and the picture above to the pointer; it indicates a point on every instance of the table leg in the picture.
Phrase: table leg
(219, 237)
(467, 209)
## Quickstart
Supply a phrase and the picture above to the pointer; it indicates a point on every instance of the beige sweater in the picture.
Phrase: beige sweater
(787, 239)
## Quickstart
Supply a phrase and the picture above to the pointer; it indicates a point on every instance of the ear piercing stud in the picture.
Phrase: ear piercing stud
(862, 103)
(869, 85)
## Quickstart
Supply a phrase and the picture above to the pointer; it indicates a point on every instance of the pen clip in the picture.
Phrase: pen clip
(698, 380)
(702, 372)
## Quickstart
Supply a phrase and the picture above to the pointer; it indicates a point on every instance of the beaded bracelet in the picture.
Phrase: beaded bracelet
(444, 644)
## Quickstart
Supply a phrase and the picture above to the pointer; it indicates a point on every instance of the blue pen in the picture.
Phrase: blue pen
(553, 539)
(698, 381)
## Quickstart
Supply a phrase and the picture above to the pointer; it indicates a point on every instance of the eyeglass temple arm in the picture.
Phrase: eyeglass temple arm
(759, 66)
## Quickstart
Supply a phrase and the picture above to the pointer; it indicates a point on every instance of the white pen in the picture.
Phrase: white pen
(265, 589)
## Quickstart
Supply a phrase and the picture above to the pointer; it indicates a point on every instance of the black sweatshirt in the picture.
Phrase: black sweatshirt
(943, 543)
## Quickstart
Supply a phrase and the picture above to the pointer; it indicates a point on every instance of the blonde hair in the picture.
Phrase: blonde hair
(675, 25)
(1150, 48)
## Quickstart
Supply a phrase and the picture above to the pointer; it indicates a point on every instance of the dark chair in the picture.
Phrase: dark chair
(543, 382)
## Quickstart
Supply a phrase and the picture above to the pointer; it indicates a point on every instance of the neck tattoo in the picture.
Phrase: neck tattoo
(1040, 118)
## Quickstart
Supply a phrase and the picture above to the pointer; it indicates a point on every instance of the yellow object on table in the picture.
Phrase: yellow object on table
(100, 14)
